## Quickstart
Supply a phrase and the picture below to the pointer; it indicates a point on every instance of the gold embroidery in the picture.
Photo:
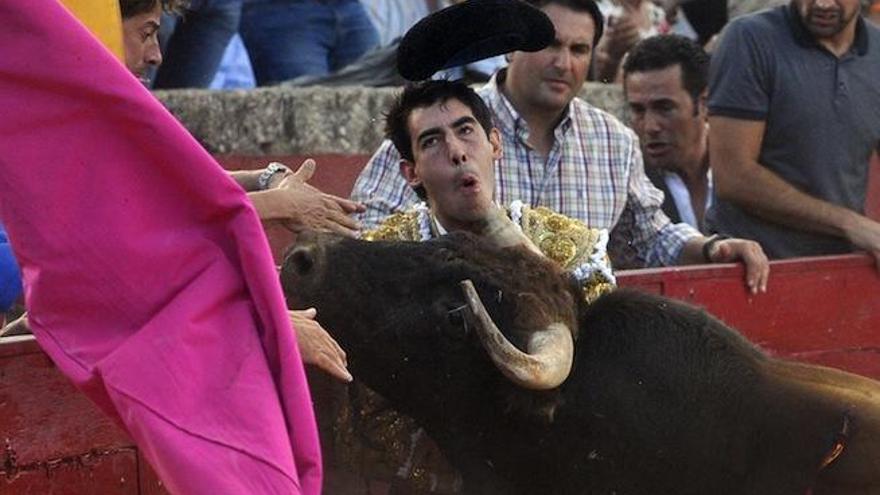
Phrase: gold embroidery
(397, 227)
(566, 241)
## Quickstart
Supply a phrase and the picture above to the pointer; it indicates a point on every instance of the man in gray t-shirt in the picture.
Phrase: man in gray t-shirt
(794, 109)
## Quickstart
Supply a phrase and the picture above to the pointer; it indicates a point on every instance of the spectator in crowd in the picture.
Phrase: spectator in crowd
(286, 39)
(665, 85)
(562, 153)
(706, 17)
(793, 122)
(627, 22)
(141, 20)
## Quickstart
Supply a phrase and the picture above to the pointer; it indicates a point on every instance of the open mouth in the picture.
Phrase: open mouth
(469, 183)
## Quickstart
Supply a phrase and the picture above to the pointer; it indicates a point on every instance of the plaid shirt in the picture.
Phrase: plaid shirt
(594, 173)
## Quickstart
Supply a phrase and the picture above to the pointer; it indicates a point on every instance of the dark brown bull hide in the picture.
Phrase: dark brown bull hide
(662, 398)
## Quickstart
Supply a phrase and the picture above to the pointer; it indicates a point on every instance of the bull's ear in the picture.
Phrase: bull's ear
(408, 171)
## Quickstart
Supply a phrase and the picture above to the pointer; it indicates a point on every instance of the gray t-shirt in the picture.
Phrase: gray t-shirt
(822, 115)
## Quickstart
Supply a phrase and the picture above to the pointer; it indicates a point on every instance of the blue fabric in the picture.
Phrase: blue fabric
(235, 69)
(290, 38)
(10, 275)
(196, 46)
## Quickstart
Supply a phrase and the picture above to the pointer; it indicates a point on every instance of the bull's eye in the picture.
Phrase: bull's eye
(302, 261)
(457, 321)
(455, 316)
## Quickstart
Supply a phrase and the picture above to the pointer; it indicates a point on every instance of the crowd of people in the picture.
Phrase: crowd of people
(759, 151)
(233, 44)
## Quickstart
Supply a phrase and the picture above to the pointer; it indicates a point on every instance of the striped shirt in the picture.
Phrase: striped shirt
(594, 173)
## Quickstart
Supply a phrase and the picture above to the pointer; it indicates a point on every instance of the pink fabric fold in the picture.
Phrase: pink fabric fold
(148, 277)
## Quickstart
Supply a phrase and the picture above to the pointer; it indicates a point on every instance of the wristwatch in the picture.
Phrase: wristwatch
(267, 174)
(710, 243)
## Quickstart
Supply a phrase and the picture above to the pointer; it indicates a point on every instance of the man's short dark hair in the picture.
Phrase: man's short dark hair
(667, 50)
(588, 6)
(131, 8)
(422, 95)
(425, 94)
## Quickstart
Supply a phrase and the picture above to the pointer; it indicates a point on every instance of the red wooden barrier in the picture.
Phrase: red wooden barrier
(824, 310)
(54, 439)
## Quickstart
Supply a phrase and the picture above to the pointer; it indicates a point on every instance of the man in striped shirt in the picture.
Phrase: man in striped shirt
(562, 153)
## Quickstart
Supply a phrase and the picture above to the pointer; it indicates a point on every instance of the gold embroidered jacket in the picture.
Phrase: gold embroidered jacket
(570, 243)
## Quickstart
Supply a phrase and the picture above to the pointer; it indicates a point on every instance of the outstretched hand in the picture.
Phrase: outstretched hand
(751, 254)
(293, 202)
(317, 347)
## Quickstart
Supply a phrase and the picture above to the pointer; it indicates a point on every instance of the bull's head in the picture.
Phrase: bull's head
(460, 280)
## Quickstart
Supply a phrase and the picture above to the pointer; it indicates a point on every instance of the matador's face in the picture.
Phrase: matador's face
(454, 162)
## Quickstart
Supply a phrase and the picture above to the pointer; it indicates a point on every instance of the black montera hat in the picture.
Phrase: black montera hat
(471, 31)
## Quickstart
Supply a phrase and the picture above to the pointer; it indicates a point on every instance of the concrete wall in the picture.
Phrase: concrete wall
(296, 121)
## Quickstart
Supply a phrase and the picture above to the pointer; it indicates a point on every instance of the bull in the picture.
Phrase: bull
(527, 389)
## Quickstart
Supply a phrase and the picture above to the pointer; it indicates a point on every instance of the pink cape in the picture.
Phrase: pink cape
(149, 280)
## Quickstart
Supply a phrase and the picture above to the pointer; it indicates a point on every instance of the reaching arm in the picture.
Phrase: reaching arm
(649, 230)
(734, 147)
(247, 179)
(299, 206)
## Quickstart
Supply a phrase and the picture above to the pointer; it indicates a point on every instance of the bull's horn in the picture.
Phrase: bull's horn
(550, 351)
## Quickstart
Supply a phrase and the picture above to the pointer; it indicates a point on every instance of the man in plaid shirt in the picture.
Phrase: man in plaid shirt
(562, 153)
